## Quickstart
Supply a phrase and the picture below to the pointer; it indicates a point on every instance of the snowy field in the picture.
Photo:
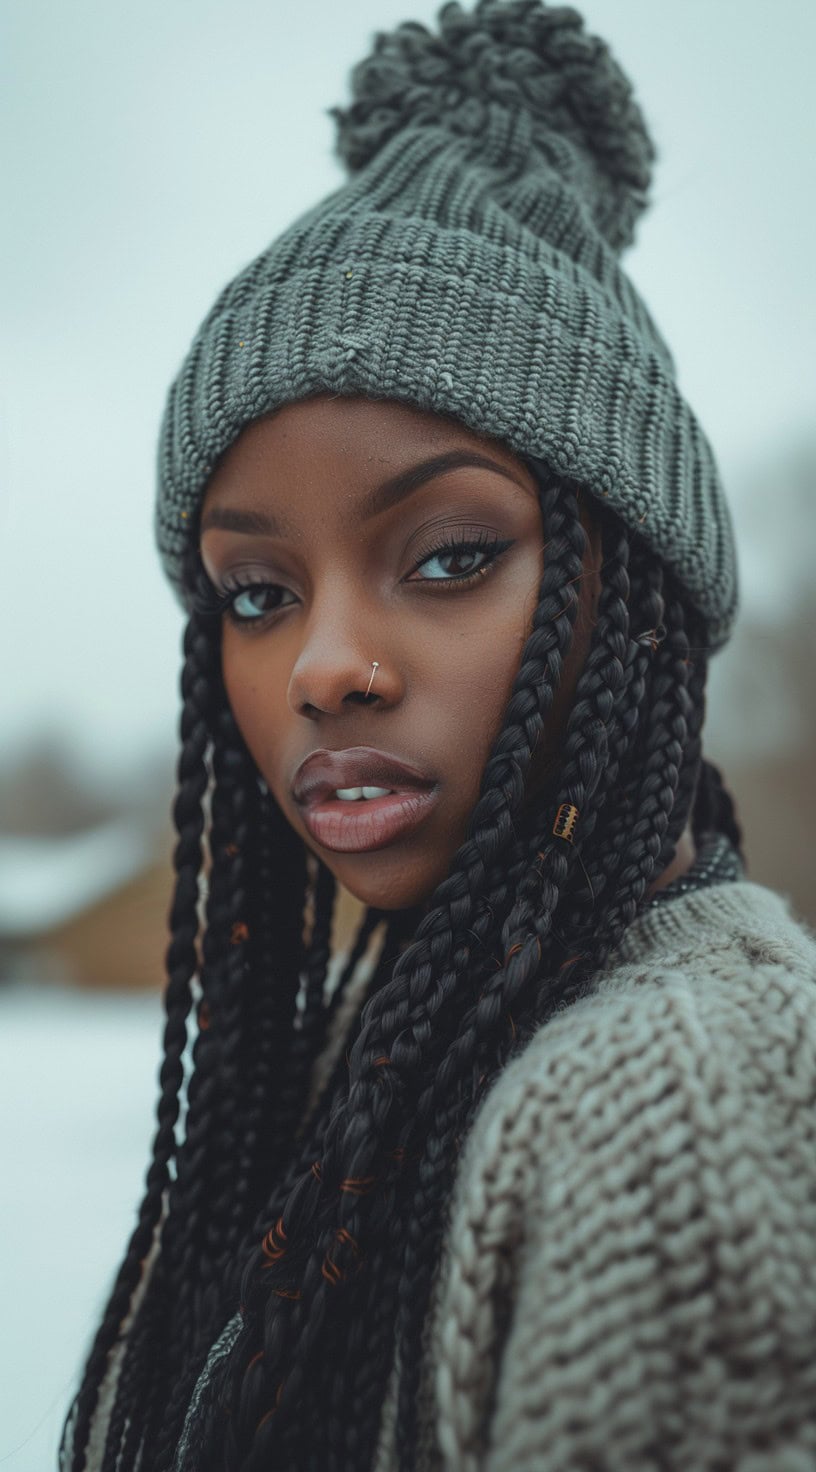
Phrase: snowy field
(78, 1084)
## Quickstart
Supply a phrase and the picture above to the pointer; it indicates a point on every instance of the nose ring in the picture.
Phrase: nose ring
(375, 666)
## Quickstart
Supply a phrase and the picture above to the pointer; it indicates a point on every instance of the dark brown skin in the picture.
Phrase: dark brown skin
(353, 591)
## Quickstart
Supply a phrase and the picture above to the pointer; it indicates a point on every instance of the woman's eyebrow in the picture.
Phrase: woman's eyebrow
(256, 523)
(398, 486)
(381, 498)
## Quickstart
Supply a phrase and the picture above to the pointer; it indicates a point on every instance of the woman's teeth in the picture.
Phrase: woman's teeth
(351, 794)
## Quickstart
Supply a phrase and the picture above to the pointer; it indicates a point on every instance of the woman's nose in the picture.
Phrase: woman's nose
(338, 667)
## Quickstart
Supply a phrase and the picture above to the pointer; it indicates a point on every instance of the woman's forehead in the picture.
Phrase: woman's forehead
(373, 451)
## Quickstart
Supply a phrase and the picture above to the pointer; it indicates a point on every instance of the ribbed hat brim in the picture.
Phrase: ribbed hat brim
(516, 340)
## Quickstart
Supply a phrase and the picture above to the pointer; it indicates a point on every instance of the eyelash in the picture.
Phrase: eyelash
(215, 603)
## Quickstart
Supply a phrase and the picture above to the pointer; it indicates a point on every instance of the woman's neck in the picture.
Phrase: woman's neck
(685, 854)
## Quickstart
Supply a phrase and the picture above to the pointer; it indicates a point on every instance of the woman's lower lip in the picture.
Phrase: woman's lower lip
(369, 823)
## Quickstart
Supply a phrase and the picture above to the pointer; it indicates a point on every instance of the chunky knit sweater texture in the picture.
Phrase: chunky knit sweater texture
(629, 1278)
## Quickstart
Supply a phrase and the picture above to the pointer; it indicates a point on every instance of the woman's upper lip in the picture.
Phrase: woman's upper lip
(357, 766)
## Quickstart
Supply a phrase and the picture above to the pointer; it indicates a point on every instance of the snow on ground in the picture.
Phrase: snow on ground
(78, 1085)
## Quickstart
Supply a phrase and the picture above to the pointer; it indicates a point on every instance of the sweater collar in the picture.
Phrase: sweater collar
(705, 917)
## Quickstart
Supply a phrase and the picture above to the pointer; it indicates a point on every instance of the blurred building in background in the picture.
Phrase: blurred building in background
(86, 876)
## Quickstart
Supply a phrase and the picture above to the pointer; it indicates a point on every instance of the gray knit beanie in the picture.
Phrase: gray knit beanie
(469, 267)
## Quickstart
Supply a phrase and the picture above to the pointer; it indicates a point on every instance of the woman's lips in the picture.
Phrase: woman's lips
(324, 771)
(361, 826)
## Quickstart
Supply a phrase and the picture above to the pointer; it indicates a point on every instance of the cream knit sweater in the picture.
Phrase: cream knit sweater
(629, 1277)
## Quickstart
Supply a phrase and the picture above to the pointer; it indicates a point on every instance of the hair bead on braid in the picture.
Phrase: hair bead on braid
(274, 1244)
(565, 820)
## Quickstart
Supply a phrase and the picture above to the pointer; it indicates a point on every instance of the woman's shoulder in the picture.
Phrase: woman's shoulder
(727, 971)
(643, 1174)
(742, 924)
(696, 1044)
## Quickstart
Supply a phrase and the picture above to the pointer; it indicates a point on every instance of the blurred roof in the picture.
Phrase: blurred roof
(45, 880)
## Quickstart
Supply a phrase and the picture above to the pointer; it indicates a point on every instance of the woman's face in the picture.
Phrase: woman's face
(341, 524)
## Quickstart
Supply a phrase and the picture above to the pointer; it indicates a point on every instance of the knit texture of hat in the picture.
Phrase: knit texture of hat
(469, 267)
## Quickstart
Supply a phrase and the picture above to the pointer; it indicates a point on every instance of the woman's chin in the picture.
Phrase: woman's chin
(390, 898)
(381, 885)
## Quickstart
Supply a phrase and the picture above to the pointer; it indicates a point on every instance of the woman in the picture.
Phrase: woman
(527, 1180)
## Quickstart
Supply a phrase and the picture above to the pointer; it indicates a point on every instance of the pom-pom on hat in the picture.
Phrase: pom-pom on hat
(469, 266)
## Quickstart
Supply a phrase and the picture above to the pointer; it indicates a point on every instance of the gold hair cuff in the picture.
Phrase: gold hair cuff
(565, 821)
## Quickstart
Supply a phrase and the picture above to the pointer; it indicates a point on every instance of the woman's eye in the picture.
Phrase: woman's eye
(453, 563)
(251, 603)
(460, 561)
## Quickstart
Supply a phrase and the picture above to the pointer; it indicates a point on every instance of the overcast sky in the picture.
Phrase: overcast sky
(150, 149)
